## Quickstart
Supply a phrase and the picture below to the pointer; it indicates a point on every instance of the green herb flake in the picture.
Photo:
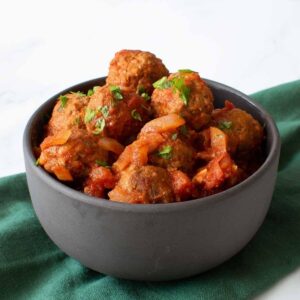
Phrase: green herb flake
(79, 94)
(185, 71)
(162, 83)
(102, 163)
(135, 115)
(141, 90)
(116, 91)
(100, 124)
(145, 96)
(166, 152)
(63, 101)
(89, 115)
(105, 111)
(174, 136)
(184, 91)
(90, 92)
(225, 125)
(184, 95)
(143, 93)
(37, 162)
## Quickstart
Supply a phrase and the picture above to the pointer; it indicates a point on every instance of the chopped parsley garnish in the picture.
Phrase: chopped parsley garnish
(105, 111)
(90, 92)
(162, 83)
(225, 125)
(89, 115)
(37, 162)
(174, 136)
(102, 163)
(143, 93)
(184, 91)
(185, 71)
(79, 94)
(177, 83)
(166, 152)
(145, 96)
(116, 91)
(141, 90)
(135, 115)
(63, 101)
(100, 124)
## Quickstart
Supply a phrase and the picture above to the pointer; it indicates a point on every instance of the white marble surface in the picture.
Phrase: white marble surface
(46, 46)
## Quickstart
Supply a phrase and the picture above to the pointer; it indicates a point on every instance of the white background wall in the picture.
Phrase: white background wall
(46, 46)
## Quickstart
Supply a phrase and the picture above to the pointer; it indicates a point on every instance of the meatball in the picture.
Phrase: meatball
(173, 153)
(116, 113)
(146, 184)
(186, 94)
(100, 178)
(183, 187)
(157, 132)
(244, 133)
(69, 154)
(68, 113)
(135, 70)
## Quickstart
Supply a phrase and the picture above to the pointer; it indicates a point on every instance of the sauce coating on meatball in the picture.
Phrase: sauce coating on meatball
(244, 133)
(70, 154)
(116, 113)
(186, 94)
(68, 113)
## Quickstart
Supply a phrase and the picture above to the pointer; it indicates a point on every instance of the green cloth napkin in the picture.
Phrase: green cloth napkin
(32, 267)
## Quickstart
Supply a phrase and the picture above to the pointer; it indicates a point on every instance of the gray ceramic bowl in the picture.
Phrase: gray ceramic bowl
(153, 241)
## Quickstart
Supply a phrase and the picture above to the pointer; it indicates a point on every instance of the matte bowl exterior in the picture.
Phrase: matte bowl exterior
(153, 241)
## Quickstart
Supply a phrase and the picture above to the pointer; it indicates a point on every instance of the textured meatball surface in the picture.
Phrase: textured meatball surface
(75, 155)
(244, 132)
(116, 113)
(99, 180)
(186, 94)
(173, 153)
(68, 113)
(135, 69)
(146, 184)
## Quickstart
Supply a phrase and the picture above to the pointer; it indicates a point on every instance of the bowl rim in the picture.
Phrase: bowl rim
(159, 207)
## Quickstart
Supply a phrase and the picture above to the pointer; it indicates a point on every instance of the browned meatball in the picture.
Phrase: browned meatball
(174, 153)
(69, 154)
(146, 184)
(135, 70)
(99, 180)
(116, 113)
(68, 113)
(245, 134)
(184, 93)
